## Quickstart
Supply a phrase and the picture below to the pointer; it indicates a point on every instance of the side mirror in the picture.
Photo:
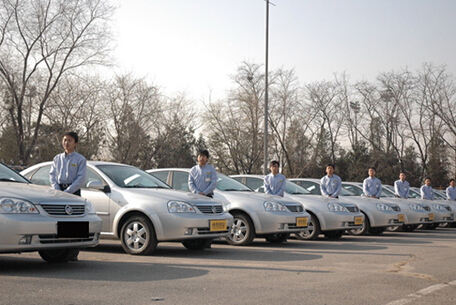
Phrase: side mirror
(97, 185)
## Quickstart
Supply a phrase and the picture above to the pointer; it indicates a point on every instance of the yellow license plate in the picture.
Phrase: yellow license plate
(217, 225)
(431, 216)
(358, 220)
(401, 218)
(301, 222)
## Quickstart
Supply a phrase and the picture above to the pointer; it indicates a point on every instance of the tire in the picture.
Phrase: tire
(393, 228)
(138, 236)
(242, 232)
(277, 238)
(409, 228)
(444, 225)
(197, 244)
(363, 231)
(59, 255)
(431, 226)
(376, 231)
(312, 231)
(337, 234)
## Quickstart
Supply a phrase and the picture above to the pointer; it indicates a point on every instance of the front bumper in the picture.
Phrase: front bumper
(35, 232)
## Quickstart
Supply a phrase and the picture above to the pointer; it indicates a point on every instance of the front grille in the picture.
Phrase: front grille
(210, 209)
(427, 208)
(52, 239)
(205, 231)
(353, 209)
(295, 208)
(396, 208)
(61, 209)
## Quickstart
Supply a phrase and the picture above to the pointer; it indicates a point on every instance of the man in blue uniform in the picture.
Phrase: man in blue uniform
(402, 187)
(372, 186)
(330, 185)
(68, 169)
(203, 177)
(274, 183)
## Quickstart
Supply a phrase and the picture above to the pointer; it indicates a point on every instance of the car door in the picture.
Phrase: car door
(99, 198)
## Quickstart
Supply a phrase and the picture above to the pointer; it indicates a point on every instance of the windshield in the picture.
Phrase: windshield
(294, 189)
(225, 183)
(131, 177)
(7, 174)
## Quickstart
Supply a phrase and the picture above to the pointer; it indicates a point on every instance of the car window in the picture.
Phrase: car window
(312, 187)
(354, 189)
(162, 175)
(254, 183)
(180, 181)
(41, 176)
(131, 177)
(294, 189)
(225, 183)
(91, 176)
(8, 174)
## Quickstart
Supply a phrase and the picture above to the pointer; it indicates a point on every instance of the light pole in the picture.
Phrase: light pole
(266, 85)
(356, 108)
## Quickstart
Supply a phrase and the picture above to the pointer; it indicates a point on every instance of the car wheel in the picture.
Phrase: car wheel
(431, 226)
(376, 231)
(312, 231)
(277, 238)
(138, 236)
(409, 228)
(363, 230)
(393, 228)
(59, 255)
(197, 244)
(337, 234)
(444, 225)
(242, 232)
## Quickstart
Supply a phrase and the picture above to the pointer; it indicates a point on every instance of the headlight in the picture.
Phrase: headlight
(416, 207)
(335, 207)
(17, 206)
(89, 208)
(383, 207)
(180, 207)
(274, 207)
(438, 207)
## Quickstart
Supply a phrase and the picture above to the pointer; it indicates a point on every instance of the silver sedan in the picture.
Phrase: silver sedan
(142, 211)
(329, 216)
(378, 215)
(255, 215)
(37, 218)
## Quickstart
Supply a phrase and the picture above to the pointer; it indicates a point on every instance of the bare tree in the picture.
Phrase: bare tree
(131, 123)
(234, 126)
(42, 41)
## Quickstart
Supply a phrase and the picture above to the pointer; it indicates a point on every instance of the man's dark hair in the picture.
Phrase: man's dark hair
(273, 163)
(203, 152)
(427, 178)
(372, 168)
(72, 134)
(330, 164)
(451, 180)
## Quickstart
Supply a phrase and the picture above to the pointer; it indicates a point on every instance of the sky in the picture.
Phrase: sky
(195, 46)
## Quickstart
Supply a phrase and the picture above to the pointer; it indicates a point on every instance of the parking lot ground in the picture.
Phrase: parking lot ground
(393, 268)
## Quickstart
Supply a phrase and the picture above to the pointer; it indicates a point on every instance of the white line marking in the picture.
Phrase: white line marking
(423, 292)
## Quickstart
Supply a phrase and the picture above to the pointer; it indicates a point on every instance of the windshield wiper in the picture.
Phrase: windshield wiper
(236, 190)
(10, 180)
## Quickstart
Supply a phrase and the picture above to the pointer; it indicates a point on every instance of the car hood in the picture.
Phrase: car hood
(164, 194)
(239, 196)
(36, 193)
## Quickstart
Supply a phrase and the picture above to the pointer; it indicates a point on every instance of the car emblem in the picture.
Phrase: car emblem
(69, 210)
(214, 209)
